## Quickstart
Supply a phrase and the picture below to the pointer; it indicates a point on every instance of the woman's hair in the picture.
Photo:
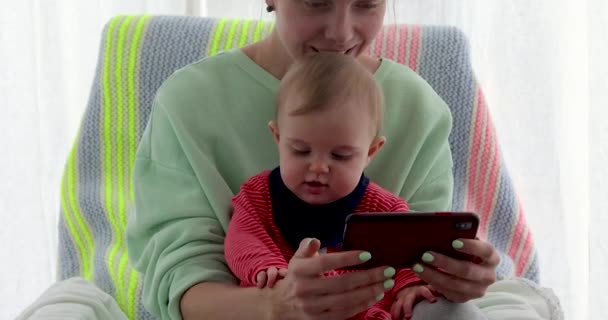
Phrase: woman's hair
(324, 80)
(393, 6)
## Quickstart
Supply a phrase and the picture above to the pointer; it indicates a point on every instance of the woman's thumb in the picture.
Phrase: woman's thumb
(309, 247)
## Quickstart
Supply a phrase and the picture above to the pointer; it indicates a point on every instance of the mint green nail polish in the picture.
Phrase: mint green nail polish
(379, 297)
(389, 284)
(427, 257)
(418, 268)
(364, 256)
(457, 244)
(389, 272)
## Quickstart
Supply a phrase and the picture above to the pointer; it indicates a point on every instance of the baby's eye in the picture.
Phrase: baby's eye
(300, 152)
(341, 157)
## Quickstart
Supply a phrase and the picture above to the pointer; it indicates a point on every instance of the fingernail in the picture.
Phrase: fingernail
(364, 256)
(389, 284)
(418, 268)
(380, 297)
(427, 257)
(389, 272)
(457, 244)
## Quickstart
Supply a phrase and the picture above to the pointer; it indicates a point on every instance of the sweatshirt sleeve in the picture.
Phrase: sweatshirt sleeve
(249, 246)
(430, 182)
(416, 162)
(174, 236)
(405, 278)
(434, 158)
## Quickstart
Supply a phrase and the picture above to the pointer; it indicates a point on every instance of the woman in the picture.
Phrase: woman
(207, 134)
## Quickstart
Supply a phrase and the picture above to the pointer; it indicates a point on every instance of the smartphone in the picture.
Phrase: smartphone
(400, 239)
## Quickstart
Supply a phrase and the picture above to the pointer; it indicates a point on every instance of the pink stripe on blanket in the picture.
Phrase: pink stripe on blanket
(486, 148)
(491, 191)
(517, 260)
(379, 42)
(522, 260)
(402, 41)
(390, 42)
(415, 46)
(474, 152)
(491, 175)
(525, 256)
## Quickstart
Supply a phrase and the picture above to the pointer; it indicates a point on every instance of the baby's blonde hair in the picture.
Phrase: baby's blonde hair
(326, 79)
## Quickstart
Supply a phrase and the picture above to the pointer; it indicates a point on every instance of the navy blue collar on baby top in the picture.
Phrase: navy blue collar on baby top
(297, 219)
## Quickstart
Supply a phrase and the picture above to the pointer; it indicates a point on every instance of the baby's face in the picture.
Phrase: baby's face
(323, 153)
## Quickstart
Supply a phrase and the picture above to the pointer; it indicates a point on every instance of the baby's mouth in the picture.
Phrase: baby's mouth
(315, 184)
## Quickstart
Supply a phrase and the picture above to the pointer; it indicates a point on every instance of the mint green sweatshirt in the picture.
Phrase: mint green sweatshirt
(208, 133)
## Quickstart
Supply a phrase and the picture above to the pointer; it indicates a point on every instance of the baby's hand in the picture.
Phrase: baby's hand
(408, 297)
(269, 277)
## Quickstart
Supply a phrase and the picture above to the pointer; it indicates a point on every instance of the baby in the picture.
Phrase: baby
(329, 112)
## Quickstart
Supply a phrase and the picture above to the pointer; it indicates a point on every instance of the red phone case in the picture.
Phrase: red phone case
(400, 239)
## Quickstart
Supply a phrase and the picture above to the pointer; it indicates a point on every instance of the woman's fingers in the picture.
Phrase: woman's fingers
(356, 299)
(483, 273)
(353, 280)
(459, 280)
(486, 253)
(309, 247)
(327, 262)
(306, 262)
(453, 288)
(344, 283)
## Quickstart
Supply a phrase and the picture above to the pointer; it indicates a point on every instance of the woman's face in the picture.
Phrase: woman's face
(308, 26)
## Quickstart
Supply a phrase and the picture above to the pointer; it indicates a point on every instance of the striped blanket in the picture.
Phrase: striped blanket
(138, 52)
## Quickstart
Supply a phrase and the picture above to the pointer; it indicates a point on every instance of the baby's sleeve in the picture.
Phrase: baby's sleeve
(249, 246)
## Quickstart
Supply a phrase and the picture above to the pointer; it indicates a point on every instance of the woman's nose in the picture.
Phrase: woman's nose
(339, 28)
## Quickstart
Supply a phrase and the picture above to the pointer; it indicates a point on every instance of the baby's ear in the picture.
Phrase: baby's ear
(374, 147)
(274, 130)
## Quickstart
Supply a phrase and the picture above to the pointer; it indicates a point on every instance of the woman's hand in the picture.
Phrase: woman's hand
(457, 280)
(305, 293)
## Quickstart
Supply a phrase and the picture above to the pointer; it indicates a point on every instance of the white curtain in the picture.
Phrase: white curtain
(48, 52)
(540, 64)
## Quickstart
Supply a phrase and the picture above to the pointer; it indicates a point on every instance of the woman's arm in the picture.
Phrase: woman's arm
(304, 293)
(211, 300)
(175, 233)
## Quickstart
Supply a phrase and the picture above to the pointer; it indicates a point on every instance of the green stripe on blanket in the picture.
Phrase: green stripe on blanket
(119, 113)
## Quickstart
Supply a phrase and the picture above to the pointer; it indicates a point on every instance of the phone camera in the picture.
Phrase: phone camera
(463, 225)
